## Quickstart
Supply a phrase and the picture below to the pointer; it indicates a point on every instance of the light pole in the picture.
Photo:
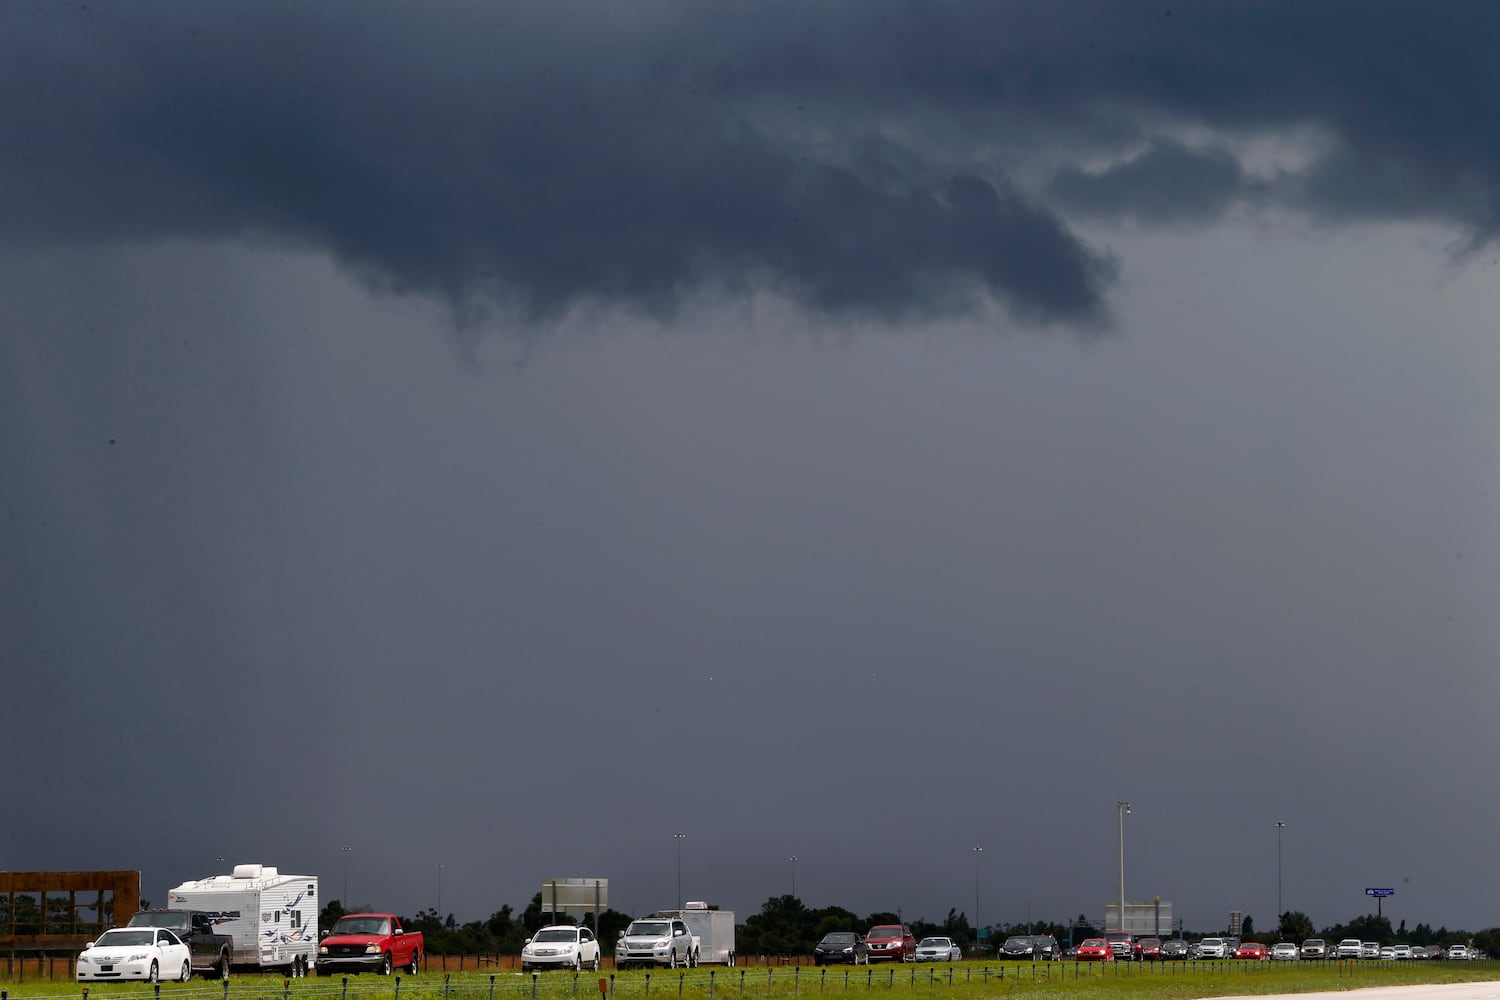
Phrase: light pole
(679, 838)
(440, 894)
(1123, 808)
(345, 851)
(1279, 827)
(977, 852)
(794, 876)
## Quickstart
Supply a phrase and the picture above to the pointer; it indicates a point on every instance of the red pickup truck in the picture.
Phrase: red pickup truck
(369, 942)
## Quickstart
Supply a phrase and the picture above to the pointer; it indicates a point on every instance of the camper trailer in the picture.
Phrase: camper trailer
(273, 918)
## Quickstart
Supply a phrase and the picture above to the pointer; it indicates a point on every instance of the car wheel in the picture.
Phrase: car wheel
(385, 964)
(672, 959)
(578, 961)
(187, 973)
(224, 965)
(153, 974)
(415, 965)
(595, 965)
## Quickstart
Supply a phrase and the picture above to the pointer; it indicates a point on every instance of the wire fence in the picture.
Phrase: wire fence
(713, 983)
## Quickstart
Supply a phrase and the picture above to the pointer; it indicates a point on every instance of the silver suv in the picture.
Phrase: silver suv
(1213, 948)
(655, 941)
(1314, 948)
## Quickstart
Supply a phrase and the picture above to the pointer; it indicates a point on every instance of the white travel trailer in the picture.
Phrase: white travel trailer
(273, 918)
(712, 930)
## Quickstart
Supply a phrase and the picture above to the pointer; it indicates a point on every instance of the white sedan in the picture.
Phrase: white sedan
(938, 949)
(562, 946)
(148, 953)
(1284, 951)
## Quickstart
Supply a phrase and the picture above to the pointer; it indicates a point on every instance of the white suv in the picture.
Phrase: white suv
(1314, 948)
(655, 941)
(1213, 947)
(1349, 948)
(561, 946)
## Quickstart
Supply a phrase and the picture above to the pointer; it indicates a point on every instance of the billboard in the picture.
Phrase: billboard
(575, 895)
(1148, 919)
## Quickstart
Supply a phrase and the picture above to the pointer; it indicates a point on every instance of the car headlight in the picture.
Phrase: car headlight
(322, 949)
(661, 944)
(372, 949)
(139, 956)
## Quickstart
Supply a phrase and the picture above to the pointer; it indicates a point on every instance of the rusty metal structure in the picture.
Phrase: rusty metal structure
(63, 911)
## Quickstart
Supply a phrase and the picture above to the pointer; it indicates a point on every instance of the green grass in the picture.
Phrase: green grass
(969, 981)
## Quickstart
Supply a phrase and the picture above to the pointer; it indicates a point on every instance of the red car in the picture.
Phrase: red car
(1252, 950)
(891, 942)
(1095, 950)
(1148, 949)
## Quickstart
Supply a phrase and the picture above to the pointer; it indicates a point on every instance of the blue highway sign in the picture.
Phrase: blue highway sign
(1380, 892)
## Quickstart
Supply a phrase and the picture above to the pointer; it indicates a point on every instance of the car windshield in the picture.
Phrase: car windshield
(884, 932)
(125, 938)
(1017, 942)
(936, 943)
(177, 921)
(556, 934)
(1152, 942)
(1095, 943)
(649, 928)
(361, 925)
(839, 937)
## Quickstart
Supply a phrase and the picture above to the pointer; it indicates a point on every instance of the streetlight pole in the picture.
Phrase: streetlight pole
(440, 894)
(977, 852)
(794, 876)
(1279, 827)
(1123, 808)
(679, 838)
(345, 851)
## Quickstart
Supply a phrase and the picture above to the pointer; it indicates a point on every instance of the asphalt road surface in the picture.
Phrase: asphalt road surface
(1430, 991)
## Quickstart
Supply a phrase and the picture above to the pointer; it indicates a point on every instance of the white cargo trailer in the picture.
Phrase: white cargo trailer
(273, 918)
(713, 929)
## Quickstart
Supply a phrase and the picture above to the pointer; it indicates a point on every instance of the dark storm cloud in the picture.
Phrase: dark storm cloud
(437, 162)
(1167, 183)
(544, 156)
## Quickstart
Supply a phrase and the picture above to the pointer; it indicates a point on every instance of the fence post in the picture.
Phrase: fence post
(398, 988)
(742, 982)
(156, 989)
(533, 984)
(822, 978)
(796, 971)
(345, 994)
(226, 988)
(492, 987)
(710, 982)
(446, 977)
(680, 977)
(286, 989)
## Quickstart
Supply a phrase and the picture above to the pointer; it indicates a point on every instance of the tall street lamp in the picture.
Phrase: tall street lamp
(1279, 827)
(977, 852)
(794, 876)
(345, 851)
(1123, 808)
(440, 894)
(679, 838)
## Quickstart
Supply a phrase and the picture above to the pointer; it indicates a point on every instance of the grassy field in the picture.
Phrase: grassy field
(961, 981)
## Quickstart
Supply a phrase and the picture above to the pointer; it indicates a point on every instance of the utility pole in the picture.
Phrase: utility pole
(1123, 808)
(679, 838)
(1279, 827)
(977, 852)
(345, 851)
(794, 876)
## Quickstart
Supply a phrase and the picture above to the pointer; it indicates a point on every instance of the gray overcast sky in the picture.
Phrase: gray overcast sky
(423, 425)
